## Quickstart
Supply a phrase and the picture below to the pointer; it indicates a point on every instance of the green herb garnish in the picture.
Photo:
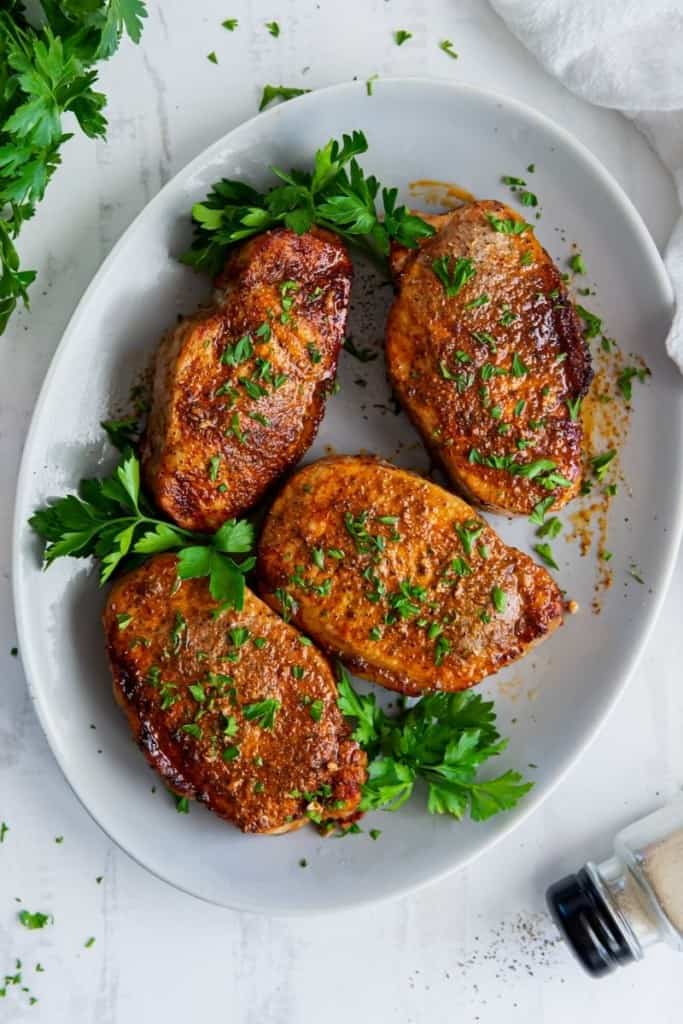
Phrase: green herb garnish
(336, 194)
(443, 739)
(453, 274)
(113, 519)
(262, 712)
(48, 56)
(447, 46)
(278, 92)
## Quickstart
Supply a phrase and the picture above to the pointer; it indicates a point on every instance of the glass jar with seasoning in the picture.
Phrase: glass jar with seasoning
(611, 912)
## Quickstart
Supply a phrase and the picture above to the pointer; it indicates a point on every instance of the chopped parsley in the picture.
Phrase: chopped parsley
(576, 263)
(600, 463)
(240, 352)
(545, 553)
(273, 28)
(469, 533)
(315, 710)
(33, 921)
(574, 408)
(279, 92)
(401, 36)
(625, 378)
(507, 317)
(230, 753)
(214, 465)
(518, 367)
(481, 300)
(592, 323)
(4, 829)
(454, 274)
(508, 226)
(550, 528)
(123, 620)
(370, 84)
(262, 712)
(498, 599)
(447, 46)
(230, 24)
(212, 57)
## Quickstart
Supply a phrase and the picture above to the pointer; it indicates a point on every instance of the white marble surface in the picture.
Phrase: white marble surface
(474, 948)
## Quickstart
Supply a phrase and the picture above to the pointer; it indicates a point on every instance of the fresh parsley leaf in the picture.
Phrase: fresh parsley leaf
(230, 24)
(279, 92)
(124, 434)
(48, 54)
(455, 275)
(625, 378)
(370, 83)
(592, 324)
(447, 46)
(401, 36)
(273, 28)
(507, 226)
(577, 264)
(336, 194)
(600, 463)
(545, 553)
(443, 739)
(113, 520)
(262, 712)
(33, 921)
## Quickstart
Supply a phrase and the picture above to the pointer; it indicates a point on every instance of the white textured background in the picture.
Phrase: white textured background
(475, 948)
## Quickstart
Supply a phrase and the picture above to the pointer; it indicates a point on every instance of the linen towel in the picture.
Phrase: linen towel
(625, 54)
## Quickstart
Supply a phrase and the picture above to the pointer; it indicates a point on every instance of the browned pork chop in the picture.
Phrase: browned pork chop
(239, 388)
(234, 710)
(493, 374)
(399, 578)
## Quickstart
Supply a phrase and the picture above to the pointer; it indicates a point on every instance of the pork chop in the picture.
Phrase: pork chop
(486, 353)
(237, 710)
(239, 388)
(400, 579)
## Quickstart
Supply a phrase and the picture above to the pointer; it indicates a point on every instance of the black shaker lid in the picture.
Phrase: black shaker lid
(588, 925)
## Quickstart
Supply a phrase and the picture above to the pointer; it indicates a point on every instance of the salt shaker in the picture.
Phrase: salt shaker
(611, 912)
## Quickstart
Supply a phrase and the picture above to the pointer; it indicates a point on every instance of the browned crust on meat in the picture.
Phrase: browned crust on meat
(420, 547)
(476, 415)
(262, 789)
(201, 409)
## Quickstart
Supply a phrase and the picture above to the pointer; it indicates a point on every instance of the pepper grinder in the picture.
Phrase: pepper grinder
(610, 913)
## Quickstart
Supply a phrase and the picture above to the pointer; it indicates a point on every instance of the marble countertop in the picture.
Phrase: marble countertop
(477, 947)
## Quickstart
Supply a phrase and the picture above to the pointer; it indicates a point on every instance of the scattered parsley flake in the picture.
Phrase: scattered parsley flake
(447, 46)
(401, 36)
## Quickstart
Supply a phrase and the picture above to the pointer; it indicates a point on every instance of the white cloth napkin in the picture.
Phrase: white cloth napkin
(625, 54)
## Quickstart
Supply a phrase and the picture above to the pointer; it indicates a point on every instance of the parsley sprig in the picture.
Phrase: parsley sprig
(46, 71)
(336, 194)
(444, 739)
(112, 519)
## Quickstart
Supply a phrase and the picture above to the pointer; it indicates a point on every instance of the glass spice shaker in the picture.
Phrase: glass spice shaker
(609, 913)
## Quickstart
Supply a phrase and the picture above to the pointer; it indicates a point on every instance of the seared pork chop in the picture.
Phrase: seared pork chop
(486, 353)
(233, 710)
(399, 578)
(239, 388)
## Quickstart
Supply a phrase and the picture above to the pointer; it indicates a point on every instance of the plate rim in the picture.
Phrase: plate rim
(670, 543)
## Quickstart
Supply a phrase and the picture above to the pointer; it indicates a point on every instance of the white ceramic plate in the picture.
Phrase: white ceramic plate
(416, 130)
